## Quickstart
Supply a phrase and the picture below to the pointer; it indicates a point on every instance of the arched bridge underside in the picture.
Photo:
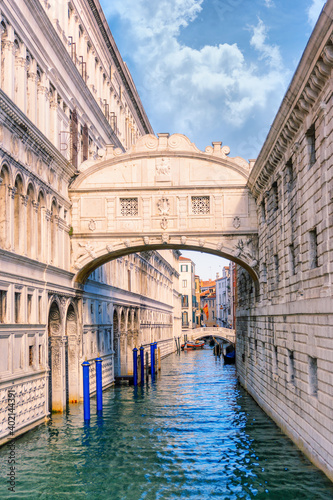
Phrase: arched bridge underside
(226, 334)
(163, 194)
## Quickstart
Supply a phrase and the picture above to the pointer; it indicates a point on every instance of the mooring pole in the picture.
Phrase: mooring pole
(147, 365)
(155, 357)
(135, 366)
(142, 357)
(86, 393)
(99, 384)
(152, 360)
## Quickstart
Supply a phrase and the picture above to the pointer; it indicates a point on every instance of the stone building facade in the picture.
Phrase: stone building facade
(64, 94)
(285, 327)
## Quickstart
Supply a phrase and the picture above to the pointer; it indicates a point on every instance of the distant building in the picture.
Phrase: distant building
(223, 299)
(187, 290)
(208, 303)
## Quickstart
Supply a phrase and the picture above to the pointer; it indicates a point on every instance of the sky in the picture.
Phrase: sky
(214, 70)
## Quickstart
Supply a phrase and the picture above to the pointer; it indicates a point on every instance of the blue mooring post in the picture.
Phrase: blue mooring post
(99, 385)
(152, 360)
(86, 393)
(155, 356)
(135, 366)
(142, 356)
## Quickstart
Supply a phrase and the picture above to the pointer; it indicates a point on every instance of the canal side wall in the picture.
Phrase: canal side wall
(285, 322)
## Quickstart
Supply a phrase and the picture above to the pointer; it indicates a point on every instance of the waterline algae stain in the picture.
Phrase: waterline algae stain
(193, 434)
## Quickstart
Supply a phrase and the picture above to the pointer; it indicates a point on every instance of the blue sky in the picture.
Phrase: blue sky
(214, 70)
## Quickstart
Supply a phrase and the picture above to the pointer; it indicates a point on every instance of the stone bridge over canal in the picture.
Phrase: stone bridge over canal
(163, 193)
(218, 332)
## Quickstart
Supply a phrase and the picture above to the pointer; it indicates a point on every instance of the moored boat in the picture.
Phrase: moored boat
(192, 345)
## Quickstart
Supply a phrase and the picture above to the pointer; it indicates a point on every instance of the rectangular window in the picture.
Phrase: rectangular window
(264, 273)
(275, 196)
(40, 309)
(200, 205)
(129, 280)
(313, 253)
(263, 211)
(183, 268)
(17, 307)
(3, 305)
(184, 283)
(40, 355)
(129, 207)
(184, 300)
(290, 175)
(292, 263)
(275, 360)
(313, 380)
(31, 355)
(276, 267)
(291, 366)
(29, 308)
(311, 138)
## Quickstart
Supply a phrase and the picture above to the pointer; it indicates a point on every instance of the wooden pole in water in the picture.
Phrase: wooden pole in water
(159, 358)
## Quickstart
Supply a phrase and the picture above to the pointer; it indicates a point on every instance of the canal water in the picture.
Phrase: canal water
(193, 434)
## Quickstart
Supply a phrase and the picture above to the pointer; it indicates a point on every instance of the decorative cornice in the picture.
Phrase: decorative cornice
(309, 80)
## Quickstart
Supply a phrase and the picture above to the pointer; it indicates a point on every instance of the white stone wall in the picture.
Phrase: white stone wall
(285, 327)
(53, 117)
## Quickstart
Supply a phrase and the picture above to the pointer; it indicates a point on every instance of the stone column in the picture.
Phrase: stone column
(47, 239)
(11, 194)
(36, 229)
(23, 225)
(8, 58)
(54, 132)
(32, 92)
(58, 374)
(21, 80)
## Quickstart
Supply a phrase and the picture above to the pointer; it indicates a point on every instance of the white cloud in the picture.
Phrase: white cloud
(194, 90)
(314, 11)
(269, 3)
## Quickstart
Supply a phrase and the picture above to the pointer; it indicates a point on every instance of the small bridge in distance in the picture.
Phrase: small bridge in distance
(226, 334)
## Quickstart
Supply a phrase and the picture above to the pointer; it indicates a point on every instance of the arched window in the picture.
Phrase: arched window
(54, 240)
(4, 208)
(31, 230)
(40, 226)
(18, 215)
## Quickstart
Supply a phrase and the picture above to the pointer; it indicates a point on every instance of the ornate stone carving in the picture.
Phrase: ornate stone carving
(163, 206)
(165, 238)
(92, 225)
(89, 249)
(164, 223)
(162, 167)
(183, 240)
(201, 242)
(146, 240)
(219, 246)
(39, 166)
(12, 191)
(127, 243)
(109, 248)
(14, 145)
(236, 222)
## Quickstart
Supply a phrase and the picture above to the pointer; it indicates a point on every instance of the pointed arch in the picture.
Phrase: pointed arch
(31, 222)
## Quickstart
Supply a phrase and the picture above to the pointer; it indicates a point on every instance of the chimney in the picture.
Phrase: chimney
(217, 275)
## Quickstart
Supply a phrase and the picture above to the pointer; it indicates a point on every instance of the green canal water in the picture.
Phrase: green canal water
(193, 434)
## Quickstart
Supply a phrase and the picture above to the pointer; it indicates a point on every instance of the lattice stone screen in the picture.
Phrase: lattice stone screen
(129, 207)
(200, 205)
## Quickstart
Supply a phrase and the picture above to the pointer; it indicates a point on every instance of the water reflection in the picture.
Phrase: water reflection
(192, 434)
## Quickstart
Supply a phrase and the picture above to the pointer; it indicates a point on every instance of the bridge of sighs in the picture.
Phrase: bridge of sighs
(163, 193)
